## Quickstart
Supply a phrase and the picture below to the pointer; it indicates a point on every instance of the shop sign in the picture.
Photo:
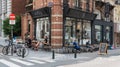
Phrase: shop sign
(42, 12)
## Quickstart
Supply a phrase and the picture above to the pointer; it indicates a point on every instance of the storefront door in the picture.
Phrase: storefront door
(108, 32)
(103, 34)
(42, 28)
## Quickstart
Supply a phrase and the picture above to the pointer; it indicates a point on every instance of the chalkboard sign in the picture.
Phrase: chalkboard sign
(103, 48)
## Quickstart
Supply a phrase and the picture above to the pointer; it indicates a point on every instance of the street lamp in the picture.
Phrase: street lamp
(50, 4)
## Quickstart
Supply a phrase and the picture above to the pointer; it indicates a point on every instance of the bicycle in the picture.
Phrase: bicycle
(20, 50)
(9, 48)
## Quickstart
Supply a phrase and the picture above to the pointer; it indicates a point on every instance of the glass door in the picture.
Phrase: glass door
(42, 28)
(107, 34)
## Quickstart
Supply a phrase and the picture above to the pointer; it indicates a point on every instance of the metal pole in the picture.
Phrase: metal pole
(23, 53)
(82, 33)
(50, 26)
(53, 54)
(75, 54)
(12, 40)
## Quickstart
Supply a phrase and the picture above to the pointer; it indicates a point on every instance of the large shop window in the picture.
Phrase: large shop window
(76, 30)
(85, 33)
(98, 30)
(42, 28)
(70, 32)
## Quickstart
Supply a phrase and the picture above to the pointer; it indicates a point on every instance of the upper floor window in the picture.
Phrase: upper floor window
(98, 14)
(117, 2)
(107, 9)
(77, 3)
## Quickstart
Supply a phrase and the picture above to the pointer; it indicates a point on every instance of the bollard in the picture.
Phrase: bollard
(23, 52)
(53, 54)
(75, 54)
(12, 51)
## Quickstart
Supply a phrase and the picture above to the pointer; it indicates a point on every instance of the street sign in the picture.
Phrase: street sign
(12, 19)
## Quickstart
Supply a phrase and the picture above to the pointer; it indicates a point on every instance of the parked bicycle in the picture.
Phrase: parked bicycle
(23, 50)
(9, 48)
(18, 48)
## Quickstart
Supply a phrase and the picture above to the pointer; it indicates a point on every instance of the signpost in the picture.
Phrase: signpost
(12, 19)
(12, 22)
(103, 48)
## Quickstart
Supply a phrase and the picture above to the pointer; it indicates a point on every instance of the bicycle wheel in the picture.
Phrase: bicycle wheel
(20, 52)
(6, 50)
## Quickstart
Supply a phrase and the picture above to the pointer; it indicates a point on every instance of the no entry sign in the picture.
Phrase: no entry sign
(12, 19)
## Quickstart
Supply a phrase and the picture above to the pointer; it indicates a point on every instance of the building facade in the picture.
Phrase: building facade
(66, 20)
(60, 20)
(117, 24)
(10, 6)
(103, 25)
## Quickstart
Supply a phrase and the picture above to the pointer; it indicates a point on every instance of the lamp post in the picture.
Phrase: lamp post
(50, 4)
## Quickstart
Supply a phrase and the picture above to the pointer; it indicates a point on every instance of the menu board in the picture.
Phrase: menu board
(103, 48)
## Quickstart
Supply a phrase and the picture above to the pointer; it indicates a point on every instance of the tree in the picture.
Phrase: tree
(16, 27)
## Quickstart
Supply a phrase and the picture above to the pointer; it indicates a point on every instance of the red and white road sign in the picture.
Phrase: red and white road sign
(12, 19)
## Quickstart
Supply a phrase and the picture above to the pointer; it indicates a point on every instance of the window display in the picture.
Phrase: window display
(74, 30)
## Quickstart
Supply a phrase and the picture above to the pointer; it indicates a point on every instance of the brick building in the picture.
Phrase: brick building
(50, 18)
(62, 21)
(18, 7)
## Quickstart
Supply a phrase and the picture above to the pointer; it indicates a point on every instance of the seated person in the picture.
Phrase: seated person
(88, 44)
(28, 41)
(45, 41)
(76, 46)
(35, 44)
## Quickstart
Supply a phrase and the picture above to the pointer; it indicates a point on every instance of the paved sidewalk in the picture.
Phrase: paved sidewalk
(46, 54)
(62, 59)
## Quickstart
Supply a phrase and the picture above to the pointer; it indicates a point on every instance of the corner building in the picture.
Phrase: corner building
(61, 20)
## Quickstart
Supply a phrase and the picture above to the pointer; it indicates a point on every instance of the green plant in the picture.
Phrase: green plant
(16, 26)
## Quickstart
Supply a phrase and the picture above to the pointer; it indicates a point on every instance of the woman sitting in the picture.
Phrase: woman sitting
(35, 44)
(45, 43)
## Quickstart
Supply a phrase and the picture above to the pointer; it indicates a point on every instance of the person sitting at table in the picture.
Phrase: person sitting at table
(35, 44)
(76, 46)
(28, 41)
(45, 42)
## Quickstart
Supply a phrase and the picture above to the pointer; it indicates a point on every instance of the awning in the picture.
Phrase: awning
(78, 14)
(39, 13)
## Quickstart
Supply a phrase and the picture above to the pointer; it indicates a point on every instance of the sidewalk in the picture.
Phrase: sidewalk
(62, 57)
